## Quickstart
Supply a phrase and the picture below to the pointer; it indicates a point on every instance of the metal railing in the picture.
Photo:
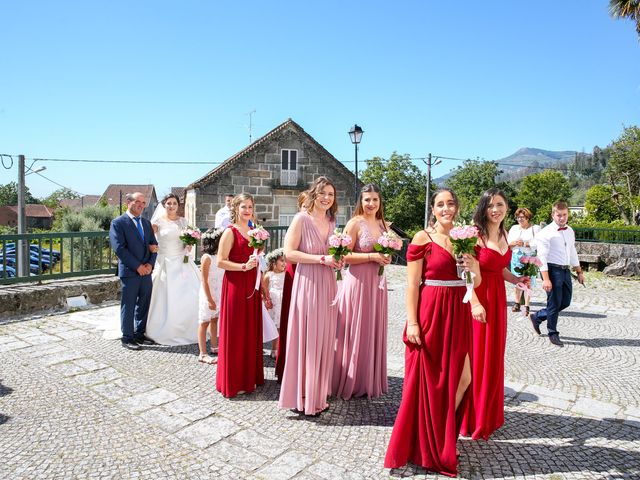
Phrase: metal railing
(607, 235)
(73, 254)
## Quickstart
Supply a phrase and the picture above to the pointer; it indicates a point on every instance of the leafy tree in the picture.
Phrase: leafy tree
(53, 200)
(626, 9)
(9, 195)
(402, 186)
(539, 191)
(623, 172)
(470, 181)
(599, 204)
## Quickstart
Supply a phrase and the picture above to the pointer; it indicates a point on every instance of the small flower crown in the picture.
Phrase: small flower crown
(212, 234)
(274, 255)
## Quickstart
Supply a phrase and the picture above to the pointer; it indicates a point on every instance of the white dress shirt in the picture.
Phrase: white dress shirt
(557, 246)
(223, 218)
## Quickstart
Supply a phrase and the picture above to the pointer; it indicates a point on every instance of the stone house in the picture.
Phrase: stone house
(274, 169)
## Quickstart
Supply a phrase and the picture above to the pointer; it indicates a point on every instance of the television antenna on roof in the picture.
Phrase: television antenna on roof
(251, 125)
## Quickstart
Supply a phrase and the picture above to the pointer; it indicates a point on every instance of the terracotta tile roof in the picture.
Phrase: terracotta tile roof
(231, 161)
(112, 194)
(85, 201)
(179, 192)
(34, 210)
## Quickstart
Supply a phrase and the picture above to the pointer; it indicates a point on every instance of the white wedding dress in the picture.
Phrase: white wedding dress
(173, 314)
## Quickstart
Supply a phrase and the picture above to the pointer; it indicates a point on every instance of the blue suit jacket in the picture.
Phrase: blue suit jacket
(130, 249)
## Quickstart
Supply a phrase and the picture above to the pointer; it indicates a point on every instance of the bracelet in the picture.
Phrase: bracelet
(412, 324)
(476, 305)
(243, 267)
(322, 260)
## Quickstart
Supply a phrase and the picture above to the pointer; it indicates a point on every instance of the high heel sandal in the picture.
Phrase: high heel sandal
(526, 310)
(516, 307)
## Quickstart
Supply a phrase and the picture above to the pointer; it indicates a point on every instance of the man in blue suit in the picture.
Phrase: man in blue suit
(133, 241)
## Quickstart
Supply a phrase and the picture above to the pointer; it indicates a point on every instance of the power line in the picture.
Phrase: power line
(59, 184)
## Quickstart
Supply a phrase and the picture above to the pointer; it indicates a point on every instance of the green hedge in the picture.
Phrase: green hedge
(606, 232)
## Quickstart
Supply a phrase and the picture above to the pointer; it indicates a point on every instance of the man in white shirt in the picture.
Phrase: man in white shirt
(223, 216)
(557, 251)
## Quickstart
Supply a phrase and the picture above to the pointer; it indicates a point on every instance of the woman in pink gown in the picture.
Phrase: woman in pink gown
(240, 342)
(306, 380)
(438, 338)
(360, 364)
(485, 411)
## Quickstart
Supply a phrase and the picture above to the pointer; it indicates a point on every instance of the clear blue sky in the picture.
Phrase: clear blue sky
(174, 81)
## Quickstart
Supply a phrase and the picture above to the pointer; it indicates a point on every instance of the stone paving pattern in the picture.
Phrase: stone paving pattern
(74, 404)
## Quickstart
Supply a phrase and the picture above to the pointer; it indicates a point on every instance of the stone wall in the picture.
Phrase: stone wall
(259, 175)
(607, 253)
(51, 296)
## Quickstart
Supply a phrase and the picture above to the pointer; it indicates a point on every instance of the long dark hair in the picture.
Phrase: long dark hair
(480, 215)
(370, 188)
(314, 191)
(168, 196)
(432, 202)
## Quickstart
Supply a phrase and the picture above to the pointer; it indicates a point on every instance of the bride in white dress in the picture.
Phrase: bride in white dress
(173, 314)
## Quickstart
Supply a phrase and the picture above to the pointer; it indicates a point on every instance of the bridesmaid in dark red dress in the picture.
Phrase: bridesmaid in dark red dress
(240, 341)
(289, 273)
(438, 339)
(485, 412)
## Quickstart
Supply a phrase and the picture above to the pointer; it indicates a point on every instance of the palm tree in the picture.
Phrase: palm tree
(626, 9)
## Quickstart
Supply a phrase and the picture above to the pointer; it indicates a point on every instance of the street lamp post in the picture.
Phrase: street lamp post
(356, 135)
(22, 245)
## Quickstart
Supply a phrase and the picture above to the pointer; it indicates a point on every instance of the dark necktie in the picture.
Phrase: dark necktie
(561, 228)
(139, 224)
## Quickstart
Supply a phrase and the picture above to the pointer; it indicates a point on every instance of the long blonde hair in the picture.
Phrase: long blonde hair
(235, 205)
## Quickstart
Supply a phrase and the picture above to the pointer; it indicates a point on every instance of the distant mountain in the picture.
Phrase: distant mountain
(524, 162)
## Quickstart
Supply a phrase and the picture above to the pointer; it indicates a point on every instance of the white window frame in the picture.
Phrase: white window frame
(285, 219)
(289, 176)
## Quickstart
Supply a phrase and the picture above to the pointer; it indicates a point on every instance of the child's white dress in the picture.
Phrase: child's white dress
(276, 285)
(205, 314)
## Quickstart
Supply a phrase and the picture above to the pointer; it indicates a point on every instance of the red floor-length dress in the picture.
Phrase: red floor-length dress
(284, 318)
(485, 411)
(427, 426)
(240, 340)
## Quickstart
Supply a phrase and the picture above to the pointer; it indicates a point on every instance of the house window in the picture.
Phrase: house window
(286, 219)
(289, 165)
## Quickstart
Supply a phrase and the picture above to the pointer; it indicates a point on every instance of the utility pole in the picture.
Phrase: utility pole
(22, 258)
(429, 162)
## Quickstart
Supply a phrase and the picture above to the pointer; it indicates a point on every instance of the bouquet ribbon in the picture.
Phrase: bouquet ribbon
(468, 283)
(339, 291)
(524, 288)
(258, 272)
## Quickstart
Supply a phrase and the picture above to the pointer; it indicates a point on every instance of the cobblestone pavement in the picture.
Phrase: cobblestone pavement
(75, 404)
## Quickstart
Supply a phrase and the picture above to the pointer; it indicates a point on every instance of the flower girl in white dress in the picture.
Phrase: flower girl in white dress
(173, 313)
(272, 286)
(209, 309)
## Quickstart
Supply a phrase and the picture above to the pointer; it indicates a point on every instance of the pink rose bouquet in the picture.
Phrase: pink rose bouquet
(529, 266)
(388, 244)
(339, 247)
(258, 236)
(463, 240)
(189, 236)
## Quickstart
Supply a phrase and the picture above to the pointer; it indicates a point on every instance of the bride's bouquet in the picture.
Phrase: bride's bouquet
(339, 247)
(189, 236)
(388, 244)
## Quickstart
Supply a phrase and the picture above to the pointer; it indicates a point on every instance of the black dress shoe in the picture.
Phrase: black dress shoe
(145, 341)
(130, 345)
(534, 323)
(555, 339)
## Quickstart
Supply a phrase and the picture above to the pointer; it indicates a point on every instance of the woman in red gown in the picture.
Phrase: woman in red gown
(485, 412)
(438, 339)
(240, 341)
(289, 273)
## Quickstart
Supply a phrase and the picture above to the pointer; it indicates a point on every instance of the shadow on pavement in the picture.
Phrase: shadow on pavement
(602, 342)
(4, 391)
(582, 315)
